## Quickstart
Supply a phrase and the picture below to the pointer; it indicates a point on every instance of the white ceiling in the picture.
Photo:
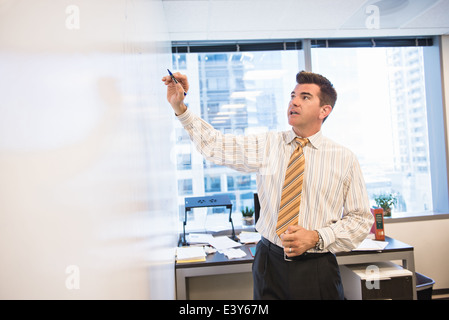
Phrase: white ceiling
(281, 19)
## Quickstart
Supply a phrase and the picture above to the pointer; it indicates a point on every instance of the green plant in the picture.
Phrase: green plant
(386, 201)
(247, 213)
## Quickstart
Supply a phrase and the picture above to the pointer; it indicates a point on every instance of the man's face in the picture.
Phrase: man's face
(304, 111)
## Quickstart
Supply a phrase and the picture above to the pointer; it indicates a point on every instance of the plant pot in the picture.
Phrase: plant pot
(248, 221)
(387, 212)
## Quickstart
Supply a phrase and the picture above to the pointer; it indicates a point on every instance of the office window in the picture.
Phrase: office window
(184, 161)
(239, 93)
(241, 182)
(212, 184)
(381, 113)
(185, 187)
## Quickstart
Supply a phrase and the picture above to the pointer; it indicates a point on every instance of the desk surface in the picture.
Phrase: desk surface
(217, 258)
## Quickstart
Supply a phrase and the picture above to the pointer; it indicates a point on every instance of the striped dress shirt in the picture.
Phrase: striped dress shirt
(334, 197)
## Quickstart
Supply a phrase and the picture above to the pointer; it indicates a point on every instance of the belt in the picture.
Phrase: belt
(280, 252)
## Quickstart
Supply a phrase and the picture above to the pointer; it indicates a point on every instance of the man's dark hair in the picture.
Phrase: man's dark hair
(328, 94)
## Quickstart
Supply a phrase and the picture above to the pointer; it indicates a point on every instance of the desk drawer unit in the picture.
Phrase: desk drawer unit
(377, 281)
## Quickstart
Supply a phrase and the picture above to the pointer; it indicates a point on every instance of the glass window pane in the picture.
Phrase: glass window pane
(381, 116)
(238, 93)
(185, 187)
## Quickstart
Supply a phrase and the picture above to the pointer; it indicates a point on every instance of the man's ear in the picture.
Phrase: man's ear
(325, 111)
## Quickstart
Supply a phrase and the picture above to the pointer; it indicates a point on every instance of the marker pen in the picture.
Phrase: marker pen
(174, 79)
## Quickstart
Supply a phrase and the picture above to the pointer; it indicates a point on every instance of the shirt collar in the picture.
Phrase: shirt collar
(315, 140)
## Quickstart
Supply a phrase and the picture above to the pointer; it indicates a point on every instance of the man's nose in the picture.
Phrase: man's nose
(295, 102)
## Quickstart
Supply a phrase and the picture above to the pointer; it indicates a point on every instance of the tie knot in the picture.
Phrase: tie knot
(302, 141)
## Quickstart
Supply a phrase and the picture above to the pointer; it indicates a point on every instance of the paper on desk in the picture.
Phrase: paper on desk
(371, 245)
(385, 270)
(223, 242)
(234, 253)
(249, 237)
(199, 237)
(187, 254)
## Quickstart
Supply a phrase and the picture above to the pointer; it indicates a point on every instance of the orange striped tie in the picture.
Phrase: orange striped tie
(292, 189)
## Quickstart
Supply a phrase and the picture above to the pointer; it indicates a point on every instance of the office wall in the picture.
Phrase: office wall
(86, 210)
(429, 239)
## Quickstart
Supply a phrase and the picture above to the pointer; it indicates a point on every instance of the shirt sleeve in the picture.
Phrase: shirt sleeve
(356, 222)
(242, 153)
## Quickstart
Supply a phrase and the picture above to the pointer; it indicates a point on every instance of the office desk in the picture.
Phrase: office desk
(217, 263)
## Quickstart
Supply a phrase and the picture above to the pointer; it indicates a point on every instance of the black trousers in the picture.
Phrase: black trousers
(308, 277)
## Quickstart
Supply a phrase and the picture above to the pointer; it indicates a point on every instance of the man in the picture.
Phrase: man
(328, 209)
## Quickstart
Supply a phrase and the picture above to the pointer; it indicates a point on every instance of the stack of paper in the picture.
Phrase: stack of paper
(249, 237)
(371, 245)
(234, 253)
(223, 242)
(190, 254)
(383, 270)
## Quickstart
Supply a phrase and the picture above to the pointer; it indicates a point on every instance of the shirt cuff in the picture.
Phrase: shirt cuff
(328, 236)
(186, 118)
